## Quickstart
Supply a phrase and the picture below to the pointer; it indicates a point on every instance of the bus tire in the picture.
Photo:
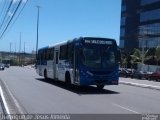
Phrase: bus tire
(100, 87)
(67, 78)
(45, 74)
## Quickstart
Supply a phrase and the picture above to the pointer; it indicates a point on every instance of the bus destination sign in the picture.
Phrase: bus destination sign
(100, 42)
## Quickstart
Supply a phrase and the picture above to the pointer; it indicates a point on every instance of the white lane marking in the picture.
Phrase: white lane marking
(125, 108)
(4, 101)
(14, 99)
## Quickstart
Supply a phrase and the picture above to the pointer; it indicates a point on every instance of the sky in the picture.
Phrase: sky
(62, 20)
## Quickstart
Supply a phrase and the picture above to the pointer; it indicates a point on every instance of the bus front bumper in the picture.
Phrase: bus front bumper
(114, 81)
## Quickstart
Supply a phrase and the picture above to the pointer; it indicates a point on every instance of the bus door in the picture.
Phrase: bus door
(56, 56)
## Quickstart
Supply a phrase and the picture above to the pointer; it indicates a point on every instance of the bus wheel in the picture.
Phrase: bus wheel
(45, 74)
(67, 78)
(100, 87)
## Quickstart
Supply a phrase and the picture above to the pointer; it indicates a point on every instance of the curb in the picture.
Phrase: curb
(140, 85)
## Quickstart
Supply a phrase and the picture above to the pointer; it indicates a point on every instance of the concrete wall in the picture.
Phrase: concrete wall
(150, 68)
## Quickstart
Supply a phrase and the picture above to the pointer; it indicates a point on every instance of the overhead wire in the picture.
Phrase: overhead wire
(17, 16)
(10, 13)
(11, 18)
(6, 13)
(3, 8)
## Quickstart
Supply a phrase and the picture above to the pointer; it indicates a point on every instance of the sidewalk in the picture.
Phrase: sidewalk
(140, 83)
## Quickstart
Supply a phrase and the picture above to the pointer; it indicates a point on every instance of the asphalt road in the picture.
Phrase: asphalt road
(36, 95)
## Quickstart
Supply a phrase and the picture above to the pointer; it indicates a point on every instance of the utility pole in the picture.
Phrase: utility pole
(15, 47)
(37, 30)
(33, 56)
(10, 47)
(24, 47)
(20, 49)
(10, 50)
(144, 41)
(143, 51)
(24, 53)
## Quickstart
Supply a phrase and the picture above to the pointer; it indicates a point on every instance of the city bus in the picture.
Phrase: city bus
(82, 61)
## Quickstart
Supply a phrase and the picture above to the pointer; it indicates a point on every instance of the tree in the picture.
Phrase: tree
(157, 54)
(123, 59)
(150, 52)
(135, 57)
(14, 62)
(150, 57)
(130, 60)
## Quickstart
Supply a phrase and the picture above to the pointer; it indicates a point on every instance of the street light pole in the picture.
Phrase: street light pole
(143, 51)
(37, 31)
(24, 47)
(143, 42)
(24, 53)
(10, 47)
(20, 49)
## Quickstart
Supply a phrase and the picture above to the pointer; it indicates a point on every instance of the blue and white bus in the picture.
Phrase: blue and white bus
(82, 61)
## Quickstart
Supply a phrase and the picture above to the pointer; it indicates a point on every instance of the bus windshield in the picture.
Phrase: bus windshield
(102, 57)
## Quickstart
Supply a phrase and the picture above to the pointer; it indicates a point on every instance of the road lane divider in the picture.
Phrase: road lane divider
(140, 85)
(125, 108)
(10, 103)
(4, 101)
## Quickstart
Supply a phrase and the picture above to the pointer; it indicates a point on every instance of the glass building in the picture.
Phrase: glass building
(140, 24)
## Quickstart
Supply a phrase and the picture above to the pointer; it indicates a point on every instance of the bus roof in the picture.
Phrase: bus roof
(43, 48)
(97, 38)
(64, 42)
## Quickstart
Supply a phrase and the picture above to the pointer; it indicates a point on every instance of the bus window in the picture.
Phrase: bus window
(109, 58)
(48, 54)
(91, 57)
(70, 51)
(41, 55)
(45, 55)
(38, 57)
(63, 52)
(56, 57)
(51, 53)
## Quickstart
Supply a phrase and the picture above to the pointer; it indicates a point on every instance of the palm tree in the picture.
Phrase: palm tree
(150, 57)
(135, 57)
(123, 60)
(157, 54)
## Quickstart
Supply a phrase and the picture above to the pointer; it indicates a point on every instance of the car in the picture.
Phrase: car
(139, 74)
(7, 65)
(125, 73)
(147, 75)
(155, 76)
(2, 66)
(33, 66)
